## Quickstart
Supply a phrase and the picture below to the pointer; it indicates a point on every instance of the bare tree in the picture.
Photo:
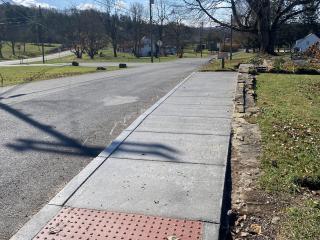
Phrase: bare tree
(1, 46)
(261, 17)
(136, 10)
(178, 32)
(162, 17)
(12, 34)
(94, 34)
(2, 34)
(75, 35)
(86, 33)
(111, 23)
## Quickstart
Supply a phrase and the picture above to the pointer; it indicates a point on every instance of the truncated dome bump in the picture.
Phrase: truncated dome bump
(87, 224)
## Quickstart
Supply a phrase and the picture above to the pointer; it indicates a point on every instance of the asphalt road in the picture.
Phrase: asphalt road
(52, 129)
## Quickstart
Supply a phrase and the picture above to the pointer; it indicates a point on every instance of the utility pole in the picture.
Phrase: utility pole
(40, 33)
(231, 37)
(201, 33)
(151, 37)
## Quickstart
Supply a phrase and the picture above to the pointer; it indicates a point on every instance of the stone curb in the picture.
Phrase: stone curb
(243, 138)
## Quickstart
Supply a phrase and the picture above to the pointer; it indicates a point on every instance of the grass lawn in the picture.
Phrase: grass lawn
(107, 56)
(238, 58)
(17, 75)
(290, 126)
(32, 50)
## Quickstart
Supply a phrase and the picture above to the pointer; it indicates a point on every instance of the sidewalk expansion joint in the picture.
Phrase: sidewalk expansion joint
(201, 104)
(168, 161)
(186, 133)
(210, 97)
(171, 115)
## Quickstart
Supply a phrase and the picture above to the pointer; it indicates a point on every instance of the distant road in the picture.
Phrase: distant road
(36, 59)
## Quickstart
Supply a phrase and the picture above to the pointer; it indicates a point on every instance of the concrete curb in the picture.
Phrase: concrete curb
(33, 226)
(39, 220)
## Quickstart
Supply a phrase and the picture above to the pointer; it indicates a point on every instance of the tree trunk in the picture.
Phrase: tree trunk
(114, 35)
(272, 42)
(1, 55)
(267, 42)
(78, 52)
(264, 40)
(91, 55)
(115, 50)
(79, 55)
(13, 44)
(266, 36)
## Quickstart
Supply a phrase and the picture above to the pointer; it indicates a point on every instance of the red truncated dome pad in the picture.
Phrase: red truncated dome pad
(76, 223)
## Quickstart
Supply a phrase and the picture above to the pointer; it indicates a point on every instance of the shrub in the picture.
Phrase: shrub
(75, 64)
(102, 55)
(101, 69)
(290, 67)
(283, 71)
(237, 66)
(256, 61)
(278, 64)
(253, 71)
(306, 70)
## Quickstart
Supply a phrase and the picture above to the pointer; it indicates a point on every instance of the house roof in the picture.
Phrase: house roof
(310, 34)
(299, 42)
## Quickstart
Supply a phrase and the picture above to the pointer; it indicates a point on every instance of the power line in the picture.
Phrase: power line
(6, 23)
(9, 5)
(23, 15)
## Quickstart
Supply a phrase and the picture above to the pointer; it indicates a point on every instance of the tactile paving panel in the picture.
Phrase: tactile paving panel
(76, 223)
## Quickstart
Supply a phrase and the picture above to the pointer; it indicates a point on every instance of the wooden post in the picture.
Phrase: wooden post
(201, 33)
(151, 37)
(231, 37)
(1, 80)
(40, 34)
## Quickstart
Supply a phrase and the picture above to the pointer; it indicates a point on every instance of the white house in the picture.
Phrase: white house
(145, 50)
(304, 43)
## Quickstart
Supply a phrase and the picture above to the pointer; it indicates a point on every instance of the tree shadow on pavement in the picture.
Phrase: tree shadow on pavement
(148, 149)
(66, 145)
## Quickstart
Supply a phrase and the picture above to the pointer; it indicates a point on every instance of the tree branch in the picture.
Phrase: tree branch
(223, 24)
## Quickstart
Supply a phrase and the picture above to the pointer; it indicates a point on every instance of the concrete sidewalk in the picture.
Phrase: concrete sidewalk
(167, 169)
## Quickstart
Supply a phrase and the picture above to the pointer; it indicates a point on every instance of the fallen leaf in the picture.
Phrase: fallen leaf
(173, 238)
(255, 228)
(55, 230)
(244, 234)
